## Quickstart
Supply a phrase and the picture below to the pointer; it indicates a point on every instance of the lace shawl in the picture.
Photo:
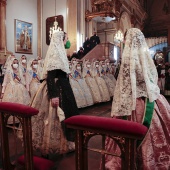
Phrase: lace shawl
(56, 57)
(96, 71)
(85, 69)
(9, 77)
(76, 70)
(137, 77)
(22, 67)
(30, 72)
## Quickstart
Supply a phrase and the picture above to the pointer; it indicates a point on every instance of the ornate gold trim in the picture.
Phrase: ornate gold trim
(89, 16)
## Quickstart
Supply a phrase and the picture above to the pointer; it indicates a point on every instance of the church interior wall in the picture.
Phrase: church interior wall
(48, 10)
(80, 23)
(25, 11)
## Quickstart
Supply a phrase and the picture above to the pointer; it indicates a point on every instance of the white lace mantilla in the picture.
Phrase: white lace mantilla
(56, 57)
(137, 76)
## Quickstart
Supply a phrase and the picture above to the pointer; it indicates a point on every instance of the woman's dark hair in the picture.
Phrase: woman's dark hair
(125, 34)
(64, 36)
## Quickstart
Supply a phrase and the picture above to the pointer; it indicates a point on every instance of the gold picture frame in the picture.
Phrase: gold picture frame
(23, 34)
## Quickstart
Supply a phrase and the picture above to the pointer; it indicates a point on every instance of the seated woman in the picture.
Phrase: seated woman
(100, 82)
(111, 83)
(77, 89)
(32, 77)
(13, 87)
(137, 98)
(86, 90)
(91, 82)
(23, 64)
(40, 66)
(112, 71)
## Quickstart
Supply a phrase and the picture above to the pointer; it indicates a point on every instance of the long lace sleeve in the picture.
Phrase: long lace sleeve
(51, 85)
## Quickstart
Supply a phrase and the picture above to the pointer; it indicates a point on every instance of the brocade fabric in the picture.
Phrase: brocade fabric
(154, 151)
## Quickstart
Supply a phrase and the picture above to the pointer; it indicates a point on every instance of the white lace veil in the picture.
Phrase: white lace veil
(8, 61)
(20, 63)
(94, 69)
(56, 57)
(9, 71)
(29, 70)
(137, 76)
(85, 69)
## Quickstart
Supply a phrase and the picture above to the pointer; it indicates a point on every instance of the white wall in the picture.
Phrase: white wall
(49, 11)
(26, 10)
(22, 10)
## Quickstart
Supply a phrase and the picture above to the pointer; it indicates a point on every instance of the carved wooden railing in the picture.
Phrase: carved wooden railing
(101, 51)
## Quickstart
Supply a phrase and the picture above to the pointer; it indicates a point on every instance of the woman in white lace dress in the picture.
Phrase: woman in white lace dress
(86, 90)
(55, 102)
(91, 82)
(32, 77)
(100, 82)
(77, 89)
(13, 87)
(110, 70)
(40, 66)
(23, 64)
(109, 82)
(137, 97)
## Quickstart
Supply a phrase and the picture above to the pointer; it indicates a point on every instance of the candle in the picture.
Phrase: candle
(5, 50)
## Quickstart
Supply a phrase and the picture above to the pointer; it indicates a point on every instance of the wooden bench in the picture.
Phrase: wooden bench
(124, 133)
(24, 114)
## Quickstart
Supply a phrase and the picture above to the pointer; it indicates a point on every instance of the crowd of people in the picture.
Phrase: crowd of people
(163, 70)
(20, 80)
(69, 85)
(92, 81)
(88, 45)
(20, 76)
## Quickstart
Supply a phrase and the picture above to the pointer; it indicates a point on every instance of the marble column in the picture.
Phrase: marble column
(2, 25)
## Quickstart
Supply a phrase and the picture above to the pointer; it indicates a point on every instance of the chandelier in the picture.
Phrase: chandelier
(54, 28)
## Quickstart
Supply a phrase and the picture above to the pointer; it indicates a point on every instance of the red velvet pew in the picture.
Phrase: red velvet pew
(123, 132)
(24, 114)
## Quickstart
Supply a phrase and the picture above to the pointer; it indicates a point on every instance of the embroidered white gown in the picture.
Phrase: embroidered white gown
(91, 82)
(85, 88)
(102, 85)
(14, 90)
(111, 83)
(32, 82)
(78, 92)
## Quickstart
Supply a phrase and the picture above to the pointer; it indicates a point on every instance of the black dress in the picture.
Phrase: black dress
(94, 40)
(62, 89)
(86, 46)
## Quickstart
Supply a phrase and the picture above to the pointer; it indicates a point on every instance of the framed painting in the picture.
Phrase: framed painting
(23, 36)
(50, 24)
